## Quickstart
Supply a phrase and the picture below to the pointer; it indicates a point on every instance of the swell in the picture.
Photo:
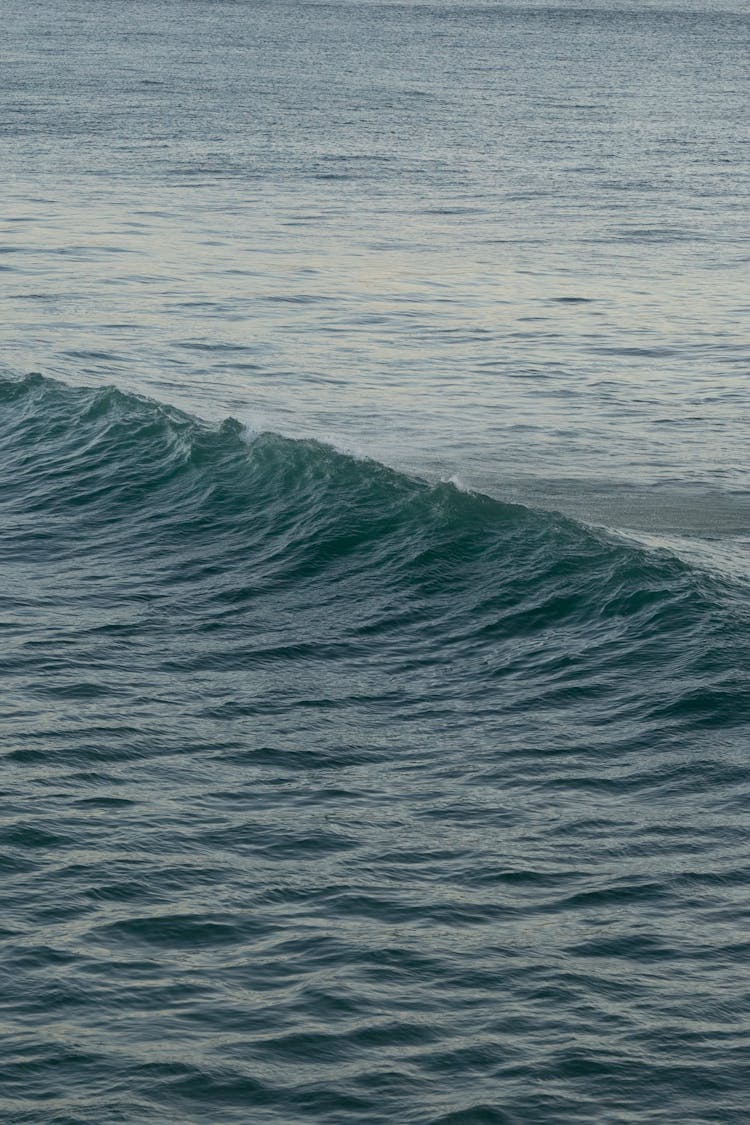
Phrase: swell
(275, 552)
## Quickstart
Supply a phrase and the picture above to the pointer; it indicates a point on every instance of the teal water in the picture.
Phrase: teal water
(331, 794)
(374, 553)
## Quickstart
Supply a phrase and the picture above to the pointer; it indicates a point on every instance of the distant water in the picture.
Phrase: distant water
(375, 602)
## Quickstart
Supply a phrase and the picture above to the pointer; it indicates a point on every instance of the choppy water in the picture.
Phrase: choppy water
(374, 551)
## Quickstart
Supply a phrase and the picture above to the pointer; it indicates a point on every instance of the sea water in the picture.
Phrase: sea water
(374, 551)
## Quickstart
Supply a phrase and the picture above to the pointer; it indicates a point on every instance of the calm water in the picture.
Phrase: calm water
(375, 555)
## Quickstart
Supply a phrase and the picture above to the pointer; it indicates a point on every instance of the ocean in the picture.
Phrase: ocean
(375, 562)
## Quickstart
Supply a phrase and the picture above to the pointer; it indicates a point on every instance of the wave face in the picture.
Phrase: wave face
(333, 795)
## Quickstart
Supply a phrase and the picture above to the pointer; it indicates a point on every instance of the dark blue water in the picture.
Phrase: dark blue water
(375, 601)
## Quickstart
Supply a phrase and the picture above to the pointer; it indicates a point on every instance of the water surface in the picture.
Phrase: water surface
(374, 605)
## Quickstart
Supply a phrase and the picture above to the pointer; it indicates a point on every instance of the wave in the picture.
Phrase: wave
(278, 553)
